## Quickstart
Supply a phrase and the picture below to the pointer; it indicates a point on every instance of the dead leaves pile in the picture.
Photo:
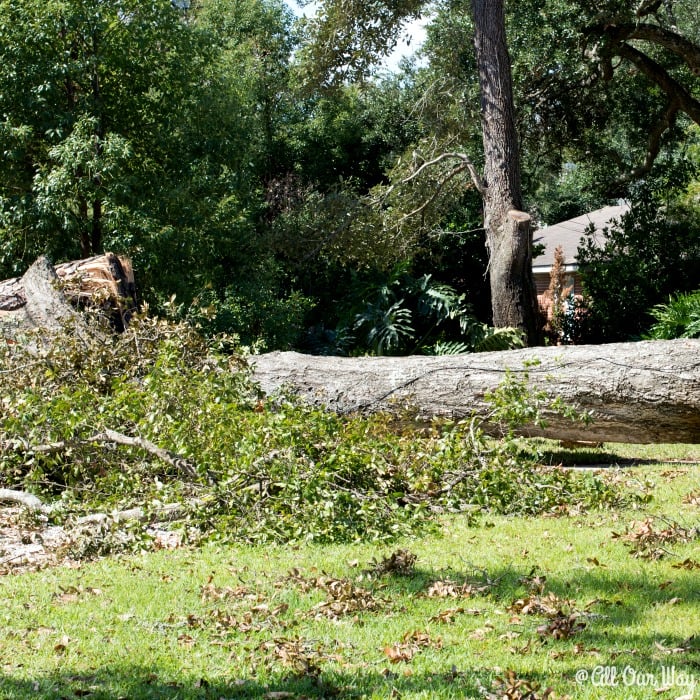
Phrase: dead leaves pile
(451, 589)
(343, 596)
(650, 538)
(402, 562)
(510, 687)
(302, 657)
(411, 643)
(564, 620)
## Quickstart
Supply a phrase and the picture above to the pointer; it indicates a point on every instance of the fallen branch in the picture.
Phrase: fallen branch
(186, 466)
(168, 512)
(177, 461)
(162, 513)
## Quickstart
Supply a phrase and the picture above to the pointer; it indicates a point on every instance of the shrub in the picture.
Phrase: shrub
(680, 318)
(245, 467)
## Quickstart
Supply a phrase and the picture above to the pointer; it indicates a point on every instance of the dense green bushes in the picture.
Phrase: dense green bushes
(639, 261)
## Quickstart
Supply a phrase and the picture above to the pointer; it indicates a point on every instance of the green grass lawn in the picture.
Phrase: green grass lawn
(556, 601)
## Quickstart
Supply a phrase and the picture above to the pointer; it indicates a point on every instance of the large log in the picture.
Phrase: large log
(46, 296)
(645, 392)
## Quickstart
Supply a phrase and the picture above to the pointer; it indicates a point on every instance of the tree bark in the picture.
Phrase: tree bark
(646, 392)
(47, 296)
(34, 301)
(508, 232)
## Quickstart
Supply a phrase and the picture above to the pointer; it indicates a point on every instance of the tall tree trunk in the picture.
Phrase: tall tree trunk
(96, 233)
(508, 233)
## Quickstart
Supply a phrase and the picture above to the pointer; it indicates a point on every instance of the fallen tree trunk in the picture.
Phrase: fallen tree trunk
(646, 392)
(47, 296)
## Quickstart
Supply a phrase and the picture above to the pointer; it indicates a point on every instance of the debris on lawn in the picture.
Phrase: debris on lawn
(402, 562)
(647, 540)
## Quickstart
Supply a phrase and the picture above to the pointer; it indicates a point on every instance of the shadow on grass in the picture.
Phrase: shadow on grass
(611, 603)
(595, 583)
(614, 635)
(593, 458)
(137, 683)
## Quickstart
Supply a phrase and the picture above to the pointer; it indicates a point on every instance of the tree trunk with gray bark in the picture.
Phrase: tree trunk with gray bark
(508, 231)
(47, 296)
(646, 392)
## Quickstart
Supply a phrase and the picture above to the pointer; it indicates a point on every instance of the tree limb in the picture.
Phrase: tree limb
(184, 465)
(657, 74)
(165, 512)
(467, 163)
(435, 194)
(674, 42)
(665, 122)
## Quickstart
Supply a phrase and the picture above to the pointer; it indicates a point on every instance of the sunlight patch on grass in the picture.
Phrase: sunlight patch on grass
(544, 598)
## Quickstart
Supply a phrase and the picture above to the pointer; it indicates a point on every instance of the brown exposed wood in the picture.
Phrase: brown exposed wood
(47, 296)
(646, 392)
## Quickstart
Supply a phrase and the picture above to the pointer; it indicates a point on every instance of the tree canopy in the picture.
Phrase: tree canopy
(262, 170)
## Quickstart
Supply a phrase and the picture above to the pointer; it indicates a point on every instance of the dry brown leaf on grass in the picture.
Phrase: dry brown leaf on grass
(402, 562)
(671, 474)
(72, 594)
(411, 643)
(303, 657)
(344, 598)
(211, 592)
(534, 582)
(186, 640)
(450, 589)
(510, 686)
(689, 645)
(550, 605)
(449, 616)
(522, 650)
(63, 644)
(647, 540)
(595, 562)
(562, 626)
(688, 564)
(692, 498)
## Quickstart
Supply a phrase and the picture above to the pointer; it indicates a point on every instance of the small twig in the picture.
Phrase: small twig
(467, 163)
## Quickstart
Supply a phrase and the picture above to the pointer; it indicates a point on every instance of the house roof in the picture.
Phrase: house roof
(568, 234)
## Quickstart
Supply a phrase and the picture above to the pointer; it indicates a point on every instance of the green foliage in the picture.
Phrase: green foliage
(248, 468)
(401, 314)
(653, 252)
(152, 132)
(679, 318)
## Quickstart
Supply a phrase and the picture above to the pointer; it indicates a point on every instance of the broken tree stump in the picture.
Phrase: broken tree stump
(47, 296)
